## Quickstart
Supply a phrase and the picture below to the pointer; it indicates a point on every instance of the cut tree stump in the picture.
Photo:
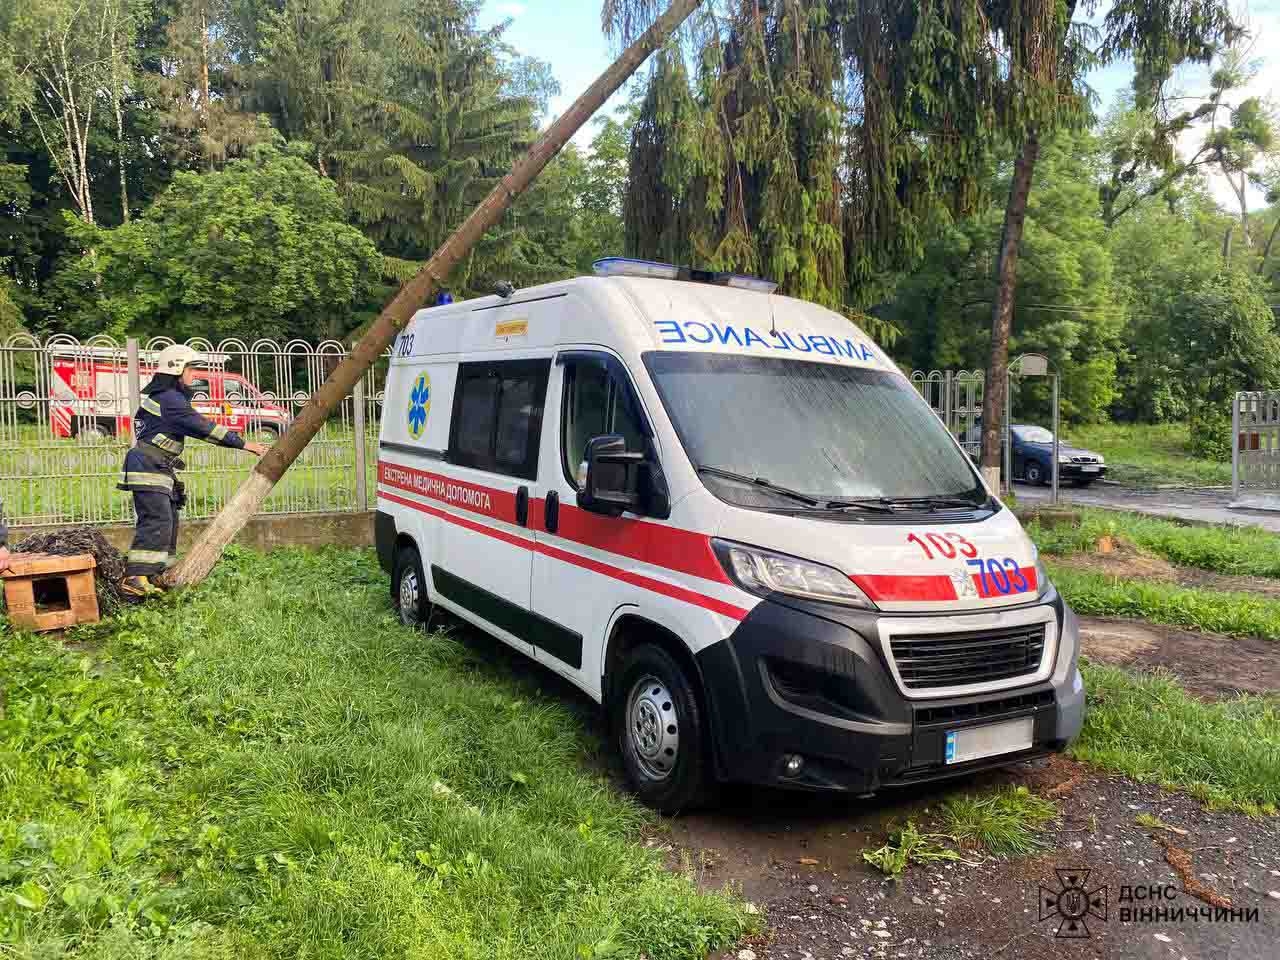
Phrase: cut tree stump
(44, 592)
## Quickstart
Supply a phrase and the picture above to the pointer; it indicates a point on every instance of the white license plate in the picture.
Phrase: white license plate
(1090, 469)
(991, 740)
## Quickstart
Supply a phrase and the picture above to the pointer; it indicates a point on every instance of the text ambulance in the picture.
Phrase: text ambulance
(729, 518)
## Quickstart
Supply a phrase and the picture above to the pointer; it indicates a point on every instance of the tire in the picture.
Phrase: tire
(96, 430)
(263, 432)
(409, 589)
(661, 729)
(1034, 473)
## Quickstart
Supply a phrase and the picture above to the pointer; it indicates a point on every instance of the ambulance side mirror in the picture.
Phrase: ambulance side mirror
(613, 476)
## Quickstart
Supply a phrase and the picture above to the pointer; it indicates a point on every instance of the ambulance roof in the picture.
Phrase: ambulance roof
(634, 314)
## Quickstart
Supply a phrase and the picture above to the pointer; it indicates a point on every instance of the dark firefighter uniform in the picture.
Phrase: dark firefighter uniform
(163, 422)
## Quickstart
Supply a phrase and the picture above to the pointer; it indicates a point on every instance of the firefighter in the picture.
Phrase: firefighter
(163, 421)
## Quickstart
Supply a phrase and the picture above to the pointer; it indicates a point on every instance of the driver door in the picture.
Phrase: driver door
(571, 596)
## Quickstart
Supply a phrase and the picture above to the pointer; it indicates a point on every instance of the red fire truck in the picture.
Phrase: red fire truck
(89, 395)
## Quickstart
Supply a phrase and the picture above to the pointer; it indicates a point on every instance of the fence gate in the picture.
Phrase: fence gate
(956, 397)
(1255, 460)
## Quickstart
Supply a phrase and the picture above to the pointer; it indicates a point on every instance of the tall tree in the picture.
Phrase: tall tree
(1067, 301)
(1159, 35)
(57, 59)
(202, 82)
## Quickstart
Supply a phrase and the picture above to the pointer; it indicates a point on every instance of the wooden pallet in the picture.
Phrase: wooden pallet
(44, 592)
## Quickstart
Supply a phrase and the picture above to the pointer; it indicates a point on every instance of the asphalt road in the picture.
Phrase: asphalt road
(1203, 505)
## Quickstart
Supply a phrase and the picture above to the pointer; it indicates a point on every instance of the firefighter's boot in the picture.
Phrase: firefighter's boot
(139, 588)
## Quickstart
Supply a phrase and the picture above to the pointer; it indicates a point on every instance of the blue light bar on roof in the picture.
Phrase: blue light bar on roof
(627, 267)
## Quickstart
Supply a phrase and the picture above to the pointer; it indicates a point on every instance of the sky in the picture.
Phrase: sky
(566, 34)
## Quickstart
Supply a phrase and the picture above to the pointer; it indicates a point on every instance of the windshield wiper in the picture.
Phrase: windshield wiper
(931, 502)
(760, 482)
(870, 504)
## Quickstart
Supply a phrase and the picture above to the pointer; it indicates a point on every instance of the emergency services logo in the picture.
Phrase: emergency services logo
(1073, 903)
(419, 405)
(962, 581)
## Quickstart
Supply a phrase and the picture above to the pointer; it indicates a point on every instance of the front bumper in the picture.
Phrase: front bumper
(807, 679)
(1077, 471)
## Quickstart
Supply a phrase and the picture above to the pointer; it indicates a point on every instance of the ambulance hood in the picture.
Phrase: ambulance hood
(911, 563)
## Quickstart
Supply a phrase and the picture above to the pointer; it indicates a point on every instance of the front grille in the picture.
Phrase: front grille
(931, 661)
(986, 708)
(1084, 459)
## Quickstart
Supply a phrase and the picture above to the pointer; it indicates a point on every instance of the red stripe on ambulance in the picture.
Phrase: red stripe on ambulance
(672, 590)
(670, 547)
(895, 588)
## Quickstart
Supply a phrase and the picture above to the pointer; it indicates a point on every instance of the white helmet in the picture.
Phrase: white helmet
(175, 359)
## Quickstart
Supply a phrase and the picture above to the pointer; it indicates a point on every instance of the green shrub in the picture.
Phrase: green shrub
(1211, 436)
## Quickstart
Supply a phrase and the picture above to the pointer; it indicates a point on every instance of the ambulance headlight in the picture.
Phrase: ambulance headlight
(763, 573)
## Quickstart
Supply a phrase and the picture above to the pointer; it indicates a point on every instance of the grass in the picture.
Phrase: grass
(1146, 455)
(271, 767)
(1235, 614)
(1226, 754)
(1004, 822)
(1247, 551)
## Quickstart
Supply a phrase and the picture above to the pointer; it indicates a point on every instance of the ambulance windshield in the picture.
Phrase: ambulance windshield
(830, 431)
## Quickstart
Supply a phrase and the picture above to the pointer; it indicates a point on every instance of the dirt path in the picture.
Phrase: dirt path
(837, 907)
(1208, 665)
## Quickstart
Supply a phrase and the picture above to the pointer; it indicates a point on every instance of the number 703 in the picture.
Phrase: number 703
(1000, 576)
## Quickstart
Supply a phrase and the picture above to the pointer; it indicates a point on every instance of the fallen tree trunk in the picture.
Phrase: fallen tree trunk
(418, 291)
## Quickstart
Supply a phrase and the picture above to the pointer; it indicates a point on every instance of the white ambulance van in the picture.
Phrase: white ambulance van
(730, 519)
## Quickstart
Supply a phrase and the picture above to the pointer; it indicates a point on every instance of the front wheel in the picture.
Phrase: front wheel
(409, 588)
(661, 731)
(1034, 473)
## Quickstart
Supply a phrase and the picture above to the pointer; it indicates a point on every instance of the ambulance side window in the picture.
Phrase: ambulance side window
(497, 416)
(595, 403)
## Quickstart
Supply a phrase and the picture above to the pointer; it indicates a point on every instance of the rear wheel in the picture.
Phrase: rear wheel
(661, 731)
(409, 588)
(266, 433)
(95, 430)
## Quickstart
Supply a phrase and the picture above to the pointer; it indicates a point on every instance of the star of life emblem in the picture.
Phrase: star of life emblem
(963, 584)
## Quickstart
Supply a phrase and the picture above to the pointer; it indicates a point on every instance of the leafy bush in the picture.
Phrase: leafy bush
(1211, 436)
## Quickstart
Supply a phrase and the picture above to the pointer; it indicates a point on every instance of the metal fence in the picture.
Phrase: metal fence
(66, 412)
(956, 397)
(1255, 461)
